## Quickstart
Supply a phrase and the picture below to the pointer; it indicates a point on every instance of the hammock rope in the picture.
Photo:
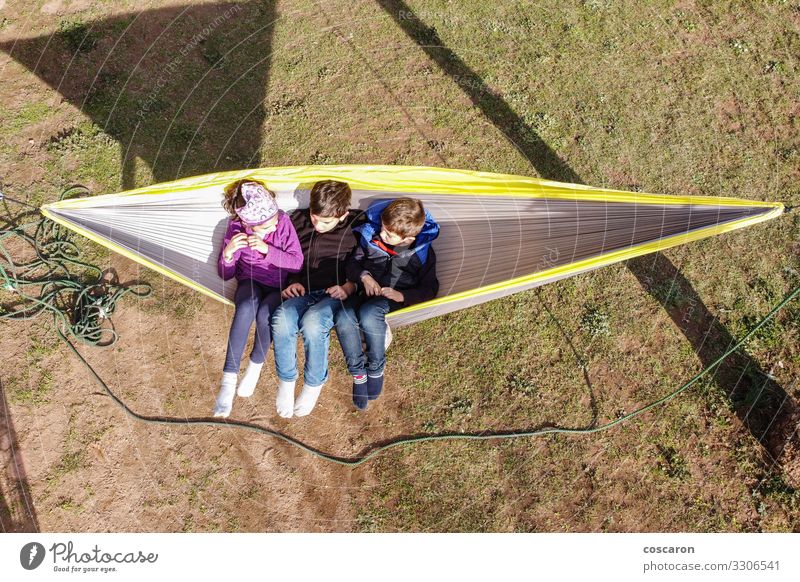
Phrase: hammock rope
(83, 318)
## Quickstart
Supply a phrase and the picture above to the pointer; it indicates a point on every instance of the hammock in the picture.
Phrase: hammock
(500, 234)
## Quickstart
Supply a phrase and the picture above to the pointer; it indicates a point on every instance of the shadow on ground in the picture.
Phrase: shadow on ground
(181, 89)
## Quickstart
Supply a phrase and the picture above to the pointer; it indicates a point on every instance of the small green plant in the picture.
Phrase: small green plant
(597, 5)
(285, 105)
(78, 138)
(519, 384)
(739, 46)
(320, 158)
(769, 336)
(77, 35)
(69, 463)
(69, 505)
(671, 463)
(776, 488)
(774, 67)
(212, 55)
(458, 406)
(31, 395)
(669, 294)
(41, 348)
(595, 321)
(763, 288)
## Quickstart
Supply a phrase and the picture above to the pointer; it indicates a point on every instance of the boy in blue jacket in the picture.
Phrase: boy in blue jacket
(394, 266)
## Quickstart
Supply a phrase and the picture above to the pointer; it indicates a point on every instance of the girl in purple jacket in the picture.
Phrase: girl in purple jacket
(260, 249)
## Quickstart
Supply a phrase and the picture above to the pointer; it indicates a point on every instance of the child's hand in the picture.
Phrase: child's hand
(371, 286)
(392, 294)
(293, 290)
(258, 244)
(337, 292)
(238, 241)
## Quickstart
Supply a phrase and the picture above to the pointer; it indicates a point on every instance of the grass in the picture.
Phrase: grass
(657, 97)
(28, 114)
(77, 35)
(32, 394)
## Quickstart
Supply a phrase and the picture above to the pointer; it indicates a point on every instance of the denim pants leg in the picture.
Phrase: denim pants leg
(348, 331)
(372, 317)
(247, 300)
(316, 326)
(271, 300)
(285, 325)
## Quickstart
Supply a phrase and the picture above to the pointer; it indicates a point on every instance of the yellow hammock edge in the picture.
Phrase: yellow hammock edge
(415, 180)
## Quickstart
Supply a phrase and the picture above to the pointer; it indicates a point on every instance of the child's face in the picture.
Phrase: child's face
(269, 226)
(394, 239)
(326, 223)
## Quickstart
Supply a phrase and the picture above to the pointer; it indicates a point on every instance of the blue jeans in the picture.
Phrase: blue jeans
(254, 302)
(368, 315)
(312, 315)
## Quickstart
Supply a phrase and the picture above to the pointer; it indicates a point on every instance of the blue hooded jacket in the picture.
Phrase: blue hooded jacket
(411, 271)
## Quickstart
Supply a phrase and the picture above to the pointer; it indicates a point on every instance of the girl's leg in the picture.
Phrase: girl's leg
(271, 300)
(247, 298)
(272, 297)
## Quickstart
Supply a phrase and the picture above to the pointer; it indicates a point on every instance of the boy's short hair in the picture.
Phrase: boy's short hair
(404, 216)
(330, 198)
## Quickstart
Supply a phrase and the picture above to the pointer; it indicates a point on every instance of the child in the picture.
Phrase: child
(314, 296)
(396, 267)
(260, 249)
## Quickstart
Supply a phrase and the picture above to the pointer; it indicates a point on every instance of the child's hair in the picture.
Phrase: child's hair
(233, 195)
(330, 198)
(404, 216)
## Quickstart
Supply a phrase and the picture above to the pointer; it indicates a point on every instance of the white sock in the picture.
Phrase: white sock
(248, 384)
(224, 403)
(285, 400)
(388, 338)
(307, 399)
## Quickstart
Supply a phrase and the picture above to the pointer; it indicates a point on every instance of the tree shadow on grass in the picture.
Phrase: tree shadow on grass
(181, 89)
(760, 403)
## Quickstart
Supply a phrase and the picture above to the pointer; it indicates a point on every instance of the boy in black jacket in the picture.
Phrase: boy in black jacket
(395, 266)
(313, 297)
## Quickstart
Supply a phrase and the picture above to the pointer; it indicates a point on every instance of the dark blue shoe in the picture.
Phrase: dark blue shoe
(360, 396)
(374, 386)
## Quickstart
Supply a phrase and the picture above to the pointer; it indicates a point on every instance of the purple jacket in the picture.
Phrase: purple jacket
(284, 256)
